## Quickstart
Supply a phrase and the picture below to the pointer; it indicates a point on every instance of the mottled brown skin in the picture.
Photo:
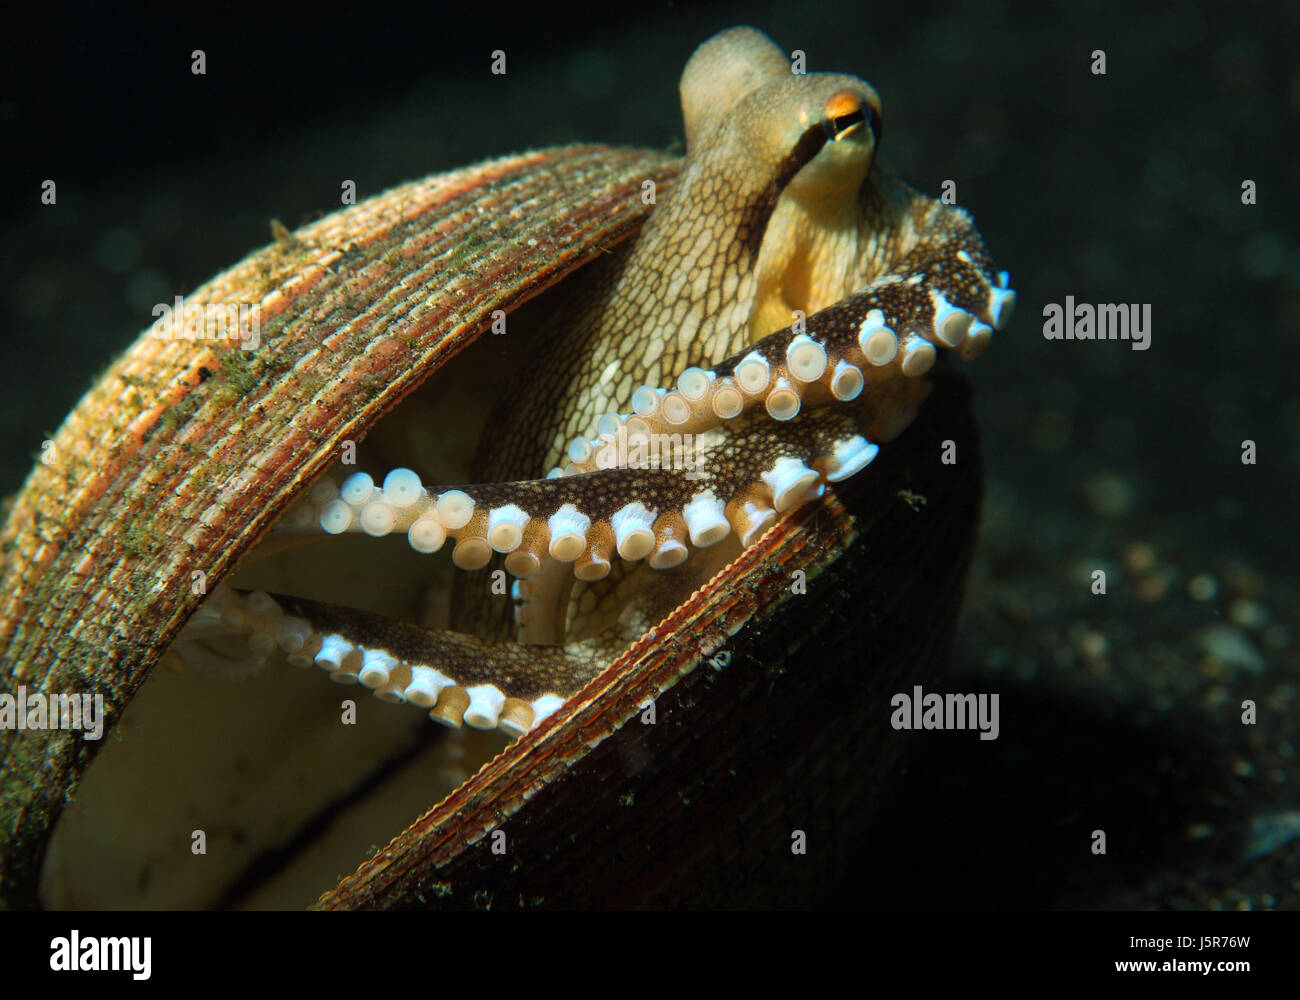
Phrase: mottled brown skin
(780, 215)
(702, 279)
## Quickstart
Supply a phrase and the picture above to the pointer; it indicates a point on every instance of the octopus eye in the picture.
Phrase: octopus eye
(845, 112)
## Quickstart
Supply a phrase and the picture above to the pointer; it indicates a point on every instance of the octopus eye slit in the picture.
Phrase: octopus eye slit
(756, 216)
(838, 126)
(844, 111)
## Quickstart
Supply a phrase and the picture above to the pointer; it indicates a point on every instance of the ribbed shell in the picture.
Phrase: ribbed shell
(185, 451)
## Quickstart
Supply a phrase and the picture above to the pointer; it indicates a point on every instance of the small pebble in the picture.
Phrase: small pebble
(1270, 831)
(1154, 587)
(1093, 644)
(1109, 495)
(1248, 614)
(1202, 587)
(1232, 648)
(1140, 557)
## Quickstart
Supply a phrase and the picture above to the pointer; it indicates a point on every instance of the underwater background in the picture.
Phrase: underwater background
(1118, 712)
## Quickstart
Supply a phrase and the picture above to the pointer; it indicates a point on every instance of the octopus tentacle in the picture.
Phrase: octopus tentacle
(460, 679)
(584, 519)
(846, 349)
(592, 510)
(738, 478)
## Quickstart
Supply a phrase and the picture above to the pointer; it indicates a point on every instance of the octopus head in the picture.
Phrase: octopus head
(791, 152)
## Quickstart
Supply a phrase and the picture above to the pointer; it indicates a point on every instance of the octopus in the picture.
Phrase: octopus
(768, 330)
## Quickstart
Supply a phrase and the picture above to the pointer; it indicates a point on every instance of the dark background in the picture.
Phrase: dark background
(1118, 712)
